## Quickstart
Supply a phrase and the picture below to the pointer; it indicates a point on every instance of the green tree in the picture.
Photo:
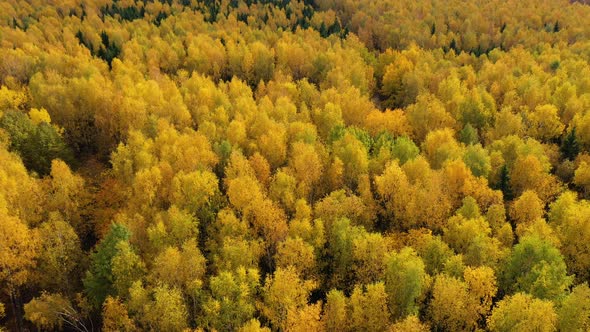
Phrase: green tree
(468, 135)
(37, 144)
(569, 145)
(536, 267)
(404, 149)
(99, 277)
(341, 254)
(405, 281)
(478, 160)
(504, 183)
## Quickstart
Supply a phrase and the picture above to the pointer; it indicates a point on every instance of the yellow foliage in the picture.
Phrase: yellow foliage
(11, 99)
(39, 115)
(582, 176)
(391, 121)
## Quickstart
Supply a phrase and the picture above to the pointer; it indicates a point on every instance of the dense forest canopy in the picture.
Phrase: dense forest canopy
(288, 165)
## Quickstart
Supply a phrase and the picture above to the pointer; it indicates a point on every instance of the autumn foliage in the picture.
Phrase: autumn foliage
(294, 165)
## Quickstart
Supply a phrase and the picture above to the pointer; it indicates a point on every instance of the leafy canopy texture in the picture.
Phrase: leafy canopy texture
(294, 165)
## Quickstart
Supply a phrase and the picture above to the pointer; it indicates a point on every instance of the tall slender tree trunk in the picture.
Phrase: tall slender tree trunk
(15, 303)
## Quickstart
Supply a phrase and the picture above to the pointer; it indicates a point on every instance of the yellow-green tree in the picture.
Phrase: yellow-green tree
(522, 312)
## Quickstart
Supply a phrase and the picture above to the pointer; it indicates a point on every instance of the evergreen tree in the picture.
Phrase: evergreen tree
(504, 183)
(570, 146)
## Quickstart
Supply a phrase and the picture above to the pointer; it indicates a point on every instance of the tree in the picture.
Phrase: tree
(242, 191)
(232, 299)
(478, 160)
(37, 143)
(571, 219)
(397, 194)
(284, 292)
(452, 308)
(51, 311)
(582, 177)
(394, 122)
(261, 168)
(528, 173)
(253, 325)
(526, 209)
(523, 312)
(472, 238)
(426, 115)
(283, 189)
(506, 123)
(193, 191)
(394, 87)
(340, 204)
(544, 123)
(172, 228)
(167, 311)
(476, 108)
(368, 250)
(482, 287)
(299, 254)
(569, 146)
(409, 324)
(368, 308)
(458, 182)
(468, 135)
(116, 317)
(308, 167)
(535, 266)
(406, 192)
(574, 312)
(269, 221)
(405, 282)
(404, 149)
(20, 193)
(99, 277)
(433, 251)
(19, 249)
(440, 146)
(206, 55)
(59, 255)
(306, 319)
(12, 99)
(66, 194)
(354, 155)
(335, 311)
(182, 269)
(340, 240)
(327, 119)
(273, 145)
(127, 267)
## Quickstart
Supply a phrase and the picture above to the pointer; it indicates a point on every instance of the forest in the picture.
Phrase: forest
(294, 165)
